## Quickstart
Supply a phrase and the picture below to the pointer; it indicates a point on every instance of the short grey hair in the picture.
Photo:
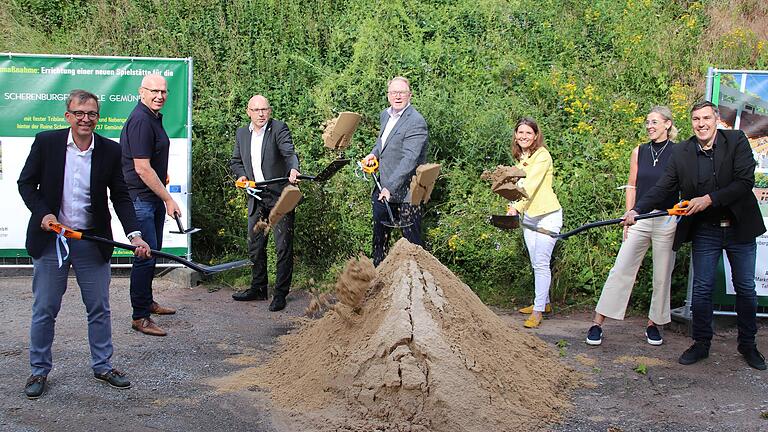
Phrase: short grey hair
(82, 96)
(399, 78)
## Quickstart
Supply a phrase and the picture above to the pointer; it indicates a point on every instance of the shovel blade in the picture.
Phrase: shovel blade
(209, 270)
(331, 169)
(186, 231)
(505, 222)
(396, 224)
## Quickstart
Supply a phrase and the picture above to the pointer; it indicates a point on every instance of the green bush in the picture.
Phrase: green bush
(586, 70)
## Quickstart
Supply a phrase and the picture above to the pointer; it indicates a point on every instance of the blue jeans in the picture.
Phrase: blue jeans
(708, 244)
(151, 218)
(49, 283)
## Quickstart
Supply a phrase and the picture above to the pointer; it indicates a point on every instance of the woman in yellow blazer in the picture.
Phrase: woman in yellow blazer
(541, 209)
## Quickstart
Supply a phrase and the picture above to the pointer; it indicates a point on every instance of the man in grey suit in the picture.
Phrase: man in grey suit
(400, 148)
(264, 150)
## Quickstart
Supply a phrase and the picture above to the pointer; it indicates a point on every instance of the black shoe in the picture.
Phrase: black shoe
(278, 303)
(35, 386)
(752, 356)
(595, 335)
(653, 335)
(249, 295)
(115, 378)
(696, 352)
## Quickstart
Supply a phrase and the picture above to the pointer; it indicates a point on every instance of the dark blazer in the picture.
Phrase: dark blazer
(735, 170)
(41, 185)
(278, 157)
(404, 151)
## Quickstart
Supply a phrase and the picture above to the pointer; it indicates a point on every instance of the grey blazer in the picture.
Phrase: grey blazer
(278, 157)
(405, 149)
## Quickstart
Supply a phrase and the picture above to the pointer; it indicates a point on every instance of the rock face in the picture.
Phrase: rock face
(423, 354)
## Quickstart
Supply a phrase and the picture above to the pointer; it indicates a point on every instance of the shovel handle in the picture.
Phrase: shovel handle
(177, 218)
(254, 184)
(70, 233)
(680, 209)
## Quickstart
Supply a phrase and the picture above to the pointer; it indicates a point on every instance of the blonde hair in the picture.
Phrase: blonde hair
(665, 112)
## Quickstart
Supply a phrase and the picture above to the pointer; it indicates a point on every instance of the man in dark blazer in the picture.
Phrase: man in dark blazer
(263, 151)
(65, 180)
(715, 171)
(400, 148)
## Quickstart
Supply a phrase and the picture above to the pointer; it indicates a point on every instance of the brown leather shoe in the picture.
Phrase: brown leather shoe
(161, 310)
(148, 327)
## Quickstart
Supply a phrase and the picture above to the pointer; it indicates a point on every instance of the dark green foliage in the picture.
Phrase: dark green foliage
(586, 70)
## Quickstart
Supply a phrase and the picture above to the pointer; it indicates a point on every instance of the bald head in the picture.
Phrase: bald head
(259, 111)
(153, 92)
(152, 80)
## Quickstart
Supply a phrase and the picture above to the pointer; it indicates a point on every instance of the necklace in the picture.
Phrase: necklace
(656, 154)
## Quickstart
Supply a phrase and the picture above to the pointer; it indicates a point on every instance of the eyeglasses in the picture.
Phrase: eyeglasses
(259, 110)
(156, 92)
(399, 93)
(652, 123)
(92, 115)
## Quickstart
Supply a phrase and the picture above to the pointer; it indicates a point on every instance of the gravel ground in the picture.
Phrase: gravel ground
(212, 336)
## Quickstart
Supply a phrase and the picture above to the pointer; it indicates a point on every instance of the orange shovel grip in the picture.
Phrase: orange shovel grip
(68, 232)
(679, 209)
(370, 169)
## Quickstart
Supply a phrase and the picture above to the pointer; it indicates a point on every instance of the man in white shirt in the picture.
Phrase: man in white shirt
(65, 180)
(400, 148)
(264, 151)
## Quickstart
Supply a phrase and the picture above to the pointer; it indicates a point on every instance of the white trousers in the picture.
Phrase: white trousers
(540, 248)
(660, 232)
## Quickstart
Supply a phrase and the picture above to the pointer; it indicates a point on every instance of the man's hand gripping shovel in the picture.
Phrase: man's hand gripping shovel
(511, 222)
(371, 168)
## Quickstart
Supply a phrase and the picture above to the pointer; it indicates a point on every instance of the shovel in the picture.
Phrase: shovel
(181, 230)
(371, 170)
(511, 222)
(201, 268)
(324, 175)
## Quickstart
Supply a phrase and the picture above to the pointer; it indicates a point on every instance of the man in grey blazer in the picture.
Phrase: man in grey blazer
(400, 148)
(263, 151)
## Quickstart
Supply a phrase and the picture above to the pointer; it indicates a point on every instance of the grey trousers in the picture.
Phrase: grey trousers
(49, 283)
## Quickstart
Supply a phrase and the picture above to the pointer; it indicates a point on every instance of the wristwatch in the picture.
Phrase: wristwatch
(133, 235)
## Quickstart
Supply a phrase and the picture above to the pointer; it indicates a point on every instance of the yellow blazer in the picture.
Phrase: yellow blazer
(537, 183)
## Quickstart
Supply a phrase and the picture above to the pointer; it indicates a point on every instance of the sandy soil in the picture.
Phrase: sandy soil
(213, 337)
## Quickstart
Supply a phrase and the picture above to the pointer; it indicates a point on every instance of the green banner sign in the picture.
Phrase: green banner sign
(33, 91)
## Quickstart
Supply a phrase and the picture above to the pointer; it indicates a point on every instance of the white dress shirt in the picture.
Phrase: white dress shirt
(393, 118)
(257, 140)
(76, 211)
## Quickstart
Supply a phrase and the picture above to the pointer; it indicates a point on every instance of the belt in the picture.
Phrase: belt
(722, 223)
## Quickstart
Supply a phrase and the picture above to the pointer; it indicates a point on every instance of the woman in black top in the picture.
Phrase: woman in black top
(647, 165)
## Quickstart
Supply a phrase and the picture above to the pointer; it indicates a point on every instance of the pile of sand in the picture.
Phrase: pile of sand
(422, 354)
(504, 181)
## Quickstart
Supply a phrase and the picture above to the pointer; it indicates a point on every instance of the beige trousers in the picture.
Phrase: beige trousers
(660, 232)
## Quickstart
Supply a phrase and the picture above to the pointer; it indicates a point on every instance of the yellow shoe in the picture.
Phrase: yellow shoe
(529, 309)
(532, 322)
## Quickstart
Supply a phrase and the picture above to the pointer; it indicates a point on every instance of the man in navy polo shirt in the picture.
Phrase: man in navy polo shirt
(145, 167)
